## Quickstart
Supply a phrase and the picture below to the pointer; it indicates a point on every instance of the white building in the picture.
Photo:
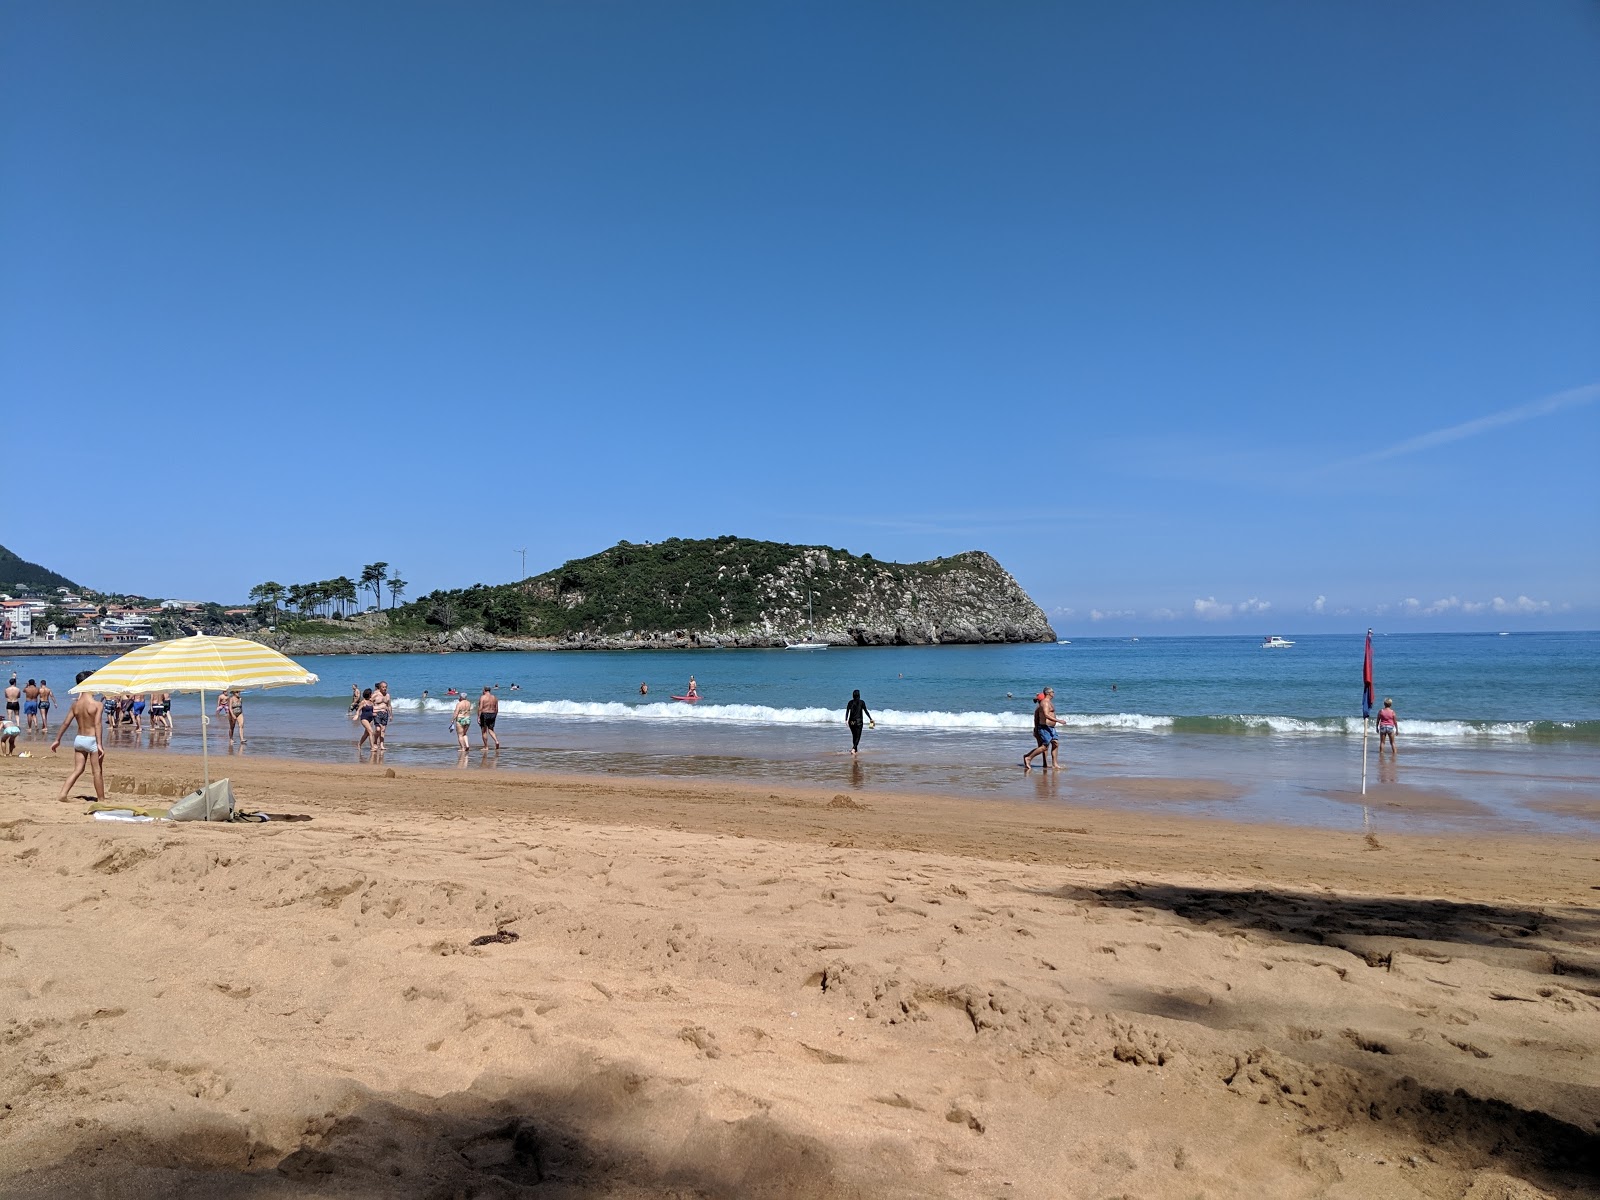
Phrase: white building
(16, 620)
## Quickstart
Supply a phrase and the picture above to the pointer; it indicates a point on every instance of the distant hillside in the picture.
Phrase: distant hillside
(737, 592)
(20, 575)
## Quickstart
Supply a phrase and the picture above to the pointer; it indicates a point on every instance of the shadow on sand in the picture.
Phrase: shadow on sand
(488, 1142)
(1545, 943)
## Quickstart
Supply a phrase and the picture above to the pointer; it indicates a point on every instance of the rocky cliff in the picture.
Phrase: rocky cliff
(714, 592)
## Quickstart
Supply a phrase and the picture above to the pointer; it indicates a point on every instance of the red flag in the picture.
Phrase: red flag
(1366, 680)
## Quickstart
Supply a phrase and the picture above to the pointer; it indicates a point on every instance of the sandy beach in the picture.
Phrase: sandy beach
(698, 989)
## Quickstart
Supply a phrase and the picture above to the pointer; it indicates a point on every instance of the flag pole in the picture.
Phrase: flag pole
(1366, 709)
(1364, 724)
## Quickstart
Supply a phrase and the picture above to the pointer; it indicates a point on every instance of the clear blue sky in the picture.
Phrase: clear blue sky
(1178, 309)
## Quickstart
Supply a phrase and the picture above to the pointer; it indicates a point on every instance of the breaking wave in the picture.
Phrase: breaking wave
(978, 721)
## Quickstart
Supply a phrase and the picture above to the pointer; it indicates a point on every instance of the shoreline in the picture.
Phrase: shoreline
(877, 819)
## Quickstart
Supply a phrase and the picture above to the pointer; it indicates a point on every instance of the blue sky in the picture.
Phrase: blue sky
(1218, 317)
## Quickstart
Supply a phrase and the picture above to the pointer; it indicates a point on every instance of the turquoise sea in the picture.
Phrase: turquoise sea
(1494, 729)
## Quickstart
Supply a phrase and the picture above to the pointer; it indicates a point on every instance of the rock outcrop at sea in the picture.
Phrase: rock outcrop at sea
(964, 599)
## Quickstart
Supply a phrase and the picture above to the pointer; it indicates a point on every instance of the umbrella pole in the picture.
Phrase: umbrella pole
(205, 761)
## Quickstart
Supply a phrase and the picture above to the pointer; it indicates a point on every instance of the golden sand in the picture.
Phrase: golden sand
(736, 991)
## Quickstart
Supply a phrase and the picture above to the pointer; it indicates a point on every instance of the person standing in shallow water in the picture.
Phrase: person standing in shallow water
(488, 713)
(1388, 726)
(855, 713)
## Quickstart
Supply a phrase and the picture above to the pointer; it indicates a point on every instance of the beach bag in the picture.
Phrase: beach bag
(212, 803)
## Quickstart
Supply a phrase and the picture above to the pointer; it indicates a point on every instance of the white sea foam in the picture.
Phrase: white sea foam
(762, 714)
(745, 714)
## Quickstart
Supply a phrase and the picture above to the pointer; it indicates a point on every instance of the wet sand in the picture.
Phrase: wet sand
(734, 990)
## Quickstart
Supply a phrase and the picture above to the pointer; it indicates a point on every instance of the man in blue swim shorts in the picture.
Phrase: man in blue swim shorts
(86, 712)
(1044, 734)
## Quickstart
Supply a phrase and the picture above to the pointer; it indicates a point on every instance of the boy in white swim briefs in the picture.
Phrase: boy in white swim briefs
(87, 751)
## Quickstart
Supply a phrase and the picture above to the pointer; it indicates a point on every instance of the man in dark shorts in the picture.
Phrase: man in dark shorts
(488, 710)
(854, 714)
(14, 702)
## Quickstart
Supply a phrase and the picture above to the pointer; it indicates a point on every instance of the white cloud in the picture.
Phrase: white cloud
(1062, 611)
(1454, 433)
(1115, 614)
(1253, 605)
(1319, 604)
(1209, 610)
(1521, 604)
(1163, 614)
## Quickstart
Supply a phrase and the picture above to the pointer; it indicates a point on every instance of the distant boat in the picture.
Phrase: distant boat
(1063, 641)
(1503, 633)
(1276, 643)
(810, 643)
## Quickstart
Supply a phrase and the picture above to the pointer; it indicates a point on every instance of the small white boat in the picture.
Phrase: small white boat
(1276, 643)
(1063, 641)
(810, 643)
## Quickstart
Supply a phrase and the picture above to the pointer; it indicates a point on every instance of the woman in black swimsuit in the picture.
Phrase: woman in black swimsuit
(364, 715)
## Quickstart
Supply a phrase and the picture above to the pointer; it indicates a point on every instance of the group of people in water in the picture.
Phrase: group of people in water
(30, 702)
(373, 707)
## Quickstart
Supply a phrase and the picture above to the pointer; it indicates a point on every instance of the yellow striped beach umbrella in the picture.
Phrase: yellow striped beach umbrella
(197, 664)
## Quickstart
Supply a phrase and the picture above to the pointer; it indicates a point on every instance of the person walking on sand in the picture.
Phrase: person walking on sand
(854, 714)
(461, 721)
(86, 712)
(1044, 733)
(488, 711)
(1388, 726)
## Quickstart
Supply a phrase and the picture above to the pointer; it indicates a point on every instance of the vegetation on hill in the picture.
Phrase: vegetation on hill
(723, 584)
(20, 575)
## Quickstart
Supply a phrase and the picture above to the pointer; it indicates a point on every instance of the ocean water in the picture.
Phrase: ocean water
(1500, 730)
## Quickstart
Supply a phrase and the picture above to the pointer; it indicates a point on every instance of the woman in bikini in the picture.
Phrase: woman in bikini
(461, 718)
